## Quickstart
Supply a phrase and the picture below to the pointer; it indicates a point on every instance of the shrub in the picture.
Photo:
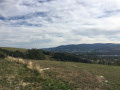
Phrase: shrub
(2, 55)
(36, 54)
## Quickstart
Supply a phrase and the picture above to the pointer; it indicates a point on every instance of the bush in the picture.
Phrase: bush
(36, 54)
(2, 55)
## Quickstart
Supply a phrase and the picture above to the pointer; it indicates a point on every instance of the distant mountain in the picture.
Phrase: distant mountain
(97, 47)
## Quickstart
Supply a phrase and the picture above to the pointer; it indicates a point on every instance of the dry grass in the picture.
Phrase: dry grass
(29, 64)
(85, 76)
(21, 61)
(38, 69)
(14, 49)
(15, 76)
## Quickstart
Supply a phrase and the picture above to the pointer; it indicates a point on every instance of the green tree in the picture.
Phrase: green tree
(2, 55)
(36, 54)
(117, 62)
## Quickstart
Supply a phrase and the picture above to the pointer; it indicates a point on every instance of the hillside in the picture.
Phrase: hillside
(98, 47)
(85, 76)
(60, 76)
(14, 49)
(15, 76)
(105, 57)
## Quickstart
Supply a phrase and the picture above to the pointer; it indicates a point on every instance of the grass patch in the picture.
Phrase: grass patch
(14, 49)
(84, 76)
(60, 76)
(16, 76)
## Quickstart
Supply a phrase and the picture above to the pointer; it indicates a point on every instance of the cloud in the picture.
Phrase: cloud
(49, 23)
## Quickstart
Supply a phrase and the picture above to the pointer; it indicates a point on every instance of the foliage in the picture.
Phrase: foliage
(68, 57)
(36, 54)
(30, 54)
(2, 55)
(117, 62)
(106, 58)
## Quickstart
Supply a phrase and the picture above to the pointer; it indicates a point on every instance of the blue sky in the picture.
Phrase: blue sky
(50, 23)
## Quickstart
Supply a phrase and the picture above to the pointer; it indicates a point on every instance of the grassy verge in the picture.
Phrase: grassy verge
(14, 76)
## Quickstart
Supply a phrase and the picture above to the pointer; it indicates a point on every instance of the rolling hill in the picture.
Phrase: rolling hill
(98, 47)
(60, 76)
(14, 49)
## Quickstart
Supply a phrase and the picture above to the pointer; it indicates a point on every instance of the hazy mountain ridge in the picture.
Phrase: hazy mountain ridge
(97, 47)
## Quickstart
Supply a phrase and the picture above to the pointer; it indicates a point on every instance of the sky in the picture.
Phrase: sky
(50, 23)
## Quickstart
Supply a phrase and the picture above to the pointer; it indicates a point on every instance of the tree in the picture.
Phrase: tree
(117, 62)
(2, 55)
(36, 54)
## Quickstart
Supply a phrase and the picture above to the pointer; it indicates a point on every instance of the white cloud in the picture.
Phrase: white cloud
(49, 23)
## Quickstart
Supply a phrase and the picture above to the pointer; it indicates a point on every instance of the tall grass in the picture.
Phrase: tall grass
(28, 64)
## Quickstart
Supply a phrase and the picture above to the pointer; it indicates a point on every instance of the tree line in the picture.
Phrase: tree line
(83, 58)
(2, 55)
(29, 54)
(38, 54)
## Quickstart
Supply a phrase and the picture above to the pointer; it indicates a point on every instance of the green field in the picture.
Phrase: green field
(14, 49)
(14, 76)
(85, 76)
(60, 76)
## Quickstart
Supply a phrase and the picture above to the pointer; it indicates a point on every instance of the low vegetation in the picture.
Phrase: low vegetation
(15, 76)
(2, 55)
(27, 54)
(14, 49)
(59, 76)
(84, 76)
(35, 54)
(23, 74)
(38, 54)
